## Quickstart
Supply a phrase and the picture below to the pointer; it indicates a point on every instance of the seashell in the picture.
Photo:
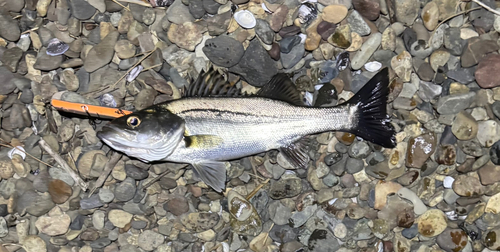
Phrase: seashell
(307, 13)
(56, 47)
(245, 19)
(134, 73)
(308, 98)
(302, 38)
(373, 66)
(265, 8)
(18, 150)
(108, 100)
(343, 61)
(161, 3)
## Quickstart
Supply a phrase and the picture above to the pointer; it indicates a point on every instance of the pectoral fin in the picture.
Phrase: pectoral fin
(213, 173)
(296, 153)
(202, 141)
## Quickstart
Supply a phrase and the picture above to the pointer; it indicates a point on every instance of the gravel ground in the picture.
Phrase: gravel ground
(438, 190)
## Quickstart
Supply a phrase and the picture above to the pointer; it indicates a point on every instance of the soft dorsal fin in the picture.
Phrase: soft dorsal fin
(280, 87)
(211, 84)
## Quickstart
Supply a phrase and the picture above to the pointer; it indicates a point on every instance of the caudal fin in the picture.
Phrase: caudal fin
(373, 123)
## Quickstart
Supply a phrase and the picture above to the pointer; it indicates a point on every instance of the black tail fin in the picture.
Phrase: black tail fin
(373, 122)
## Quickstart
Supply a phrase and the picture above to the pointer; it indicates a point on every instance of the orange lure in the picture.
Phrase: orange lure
(88, 110)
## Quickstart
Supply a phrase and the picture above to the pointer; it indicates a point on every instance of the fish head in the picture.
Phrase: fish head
(150, 135)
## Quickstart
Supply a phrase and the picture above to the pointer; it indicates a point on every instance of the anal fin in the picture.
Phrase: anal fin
(296, 153)
(213, 173)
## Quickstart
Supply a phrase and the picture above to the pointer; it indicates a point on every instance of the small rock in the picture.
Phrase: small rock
(420, 149)
(366, 51)
(358, 24)
(430, 15)
(464, 126)
(56, 223)
(59, 191)
(406, 11)
(488, 132)
(468, 186)
(81, 9)
(483, 74)
(119, 218)
(334, 13)
(452, 104)
(186, 35)
(367, 8)
(452, 240)
(432, 223)
(224, 51)
(402, 65)
(150, 240)
(9, 28)
(102, 53)
(125, 191)
(177, 206)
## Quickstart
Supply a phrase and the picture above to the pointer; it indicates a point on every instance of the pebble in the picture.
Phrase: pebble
(224, 51)
(56, 223)
(358, 24)
(102, 53)
(484, 69)
(9, 29)
(177, 206)
(334, 13)
(119, 218)
(256, 66)
(125, 191)
(366, 51)
(432, 223)
(453, 104)
(150, 240)
(59, 191)
(452, 240)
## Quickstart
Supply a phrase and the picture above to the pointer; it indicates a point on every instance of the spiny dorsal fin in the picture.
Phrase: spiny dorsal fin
(280, 87)
(211, 84)
(296, 153)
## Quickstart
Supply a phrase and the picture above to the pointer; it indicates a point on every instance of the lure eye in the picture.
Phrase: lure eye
(133, 121)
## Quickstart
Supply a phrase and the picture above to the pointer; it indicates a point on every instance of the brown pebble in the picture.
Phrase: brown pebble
(275, 52)
(177, 206)
(325, 29)
(59, 191)
(406, 218)
(486, 66)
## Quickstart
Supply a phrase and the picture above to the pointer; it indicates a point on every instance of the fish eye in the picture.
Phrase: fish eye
(133, 121)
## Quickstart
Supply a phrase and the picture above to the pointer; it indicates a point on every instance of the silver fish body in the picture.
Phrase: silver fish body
(247, 126)
(205, 131)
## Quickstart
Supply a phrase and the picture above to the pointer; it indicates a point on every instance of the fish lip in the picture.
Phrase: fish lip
(110, 135)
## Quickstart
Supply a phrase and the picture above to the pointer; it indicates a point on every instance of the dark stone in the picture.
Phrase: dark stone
(453, 42)
(463, 75)
(425, 72)
(288, 43)
(264, 31)
(275, 52)
(256, 67)
(81, 9)
(211, 6)
(289, 31)
(196, 8)
(224, 51)
(476, 50)
(326, 29)
(409, 37)
(369, 9)
(136, 173)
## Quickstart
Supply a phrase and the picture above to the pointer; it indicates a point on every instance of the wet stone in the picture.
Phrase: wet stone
(432, 223)
(91, 202)
(135, 172)
(59, 191)
(285, 188)
(420, 149)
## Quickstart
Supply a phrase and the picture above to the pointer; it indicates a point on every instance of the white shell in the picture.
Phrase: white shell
(309, 98)
(245, 19)
(302, 37)
(448, 182)
(373, 66)
(19, 150)
(134, 73)
(265, 8)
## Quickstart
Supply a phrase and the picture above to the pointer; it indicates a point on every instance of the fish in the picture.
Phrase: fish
(214, 123)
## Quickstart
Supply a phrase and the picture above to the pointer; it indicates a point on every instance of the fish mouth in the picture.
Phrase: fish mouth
(123, 141)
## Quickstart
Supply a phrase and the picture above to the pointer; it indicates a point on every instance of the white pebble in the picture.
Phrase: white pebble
(245, 19)
(448, 182)
(373, 66)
